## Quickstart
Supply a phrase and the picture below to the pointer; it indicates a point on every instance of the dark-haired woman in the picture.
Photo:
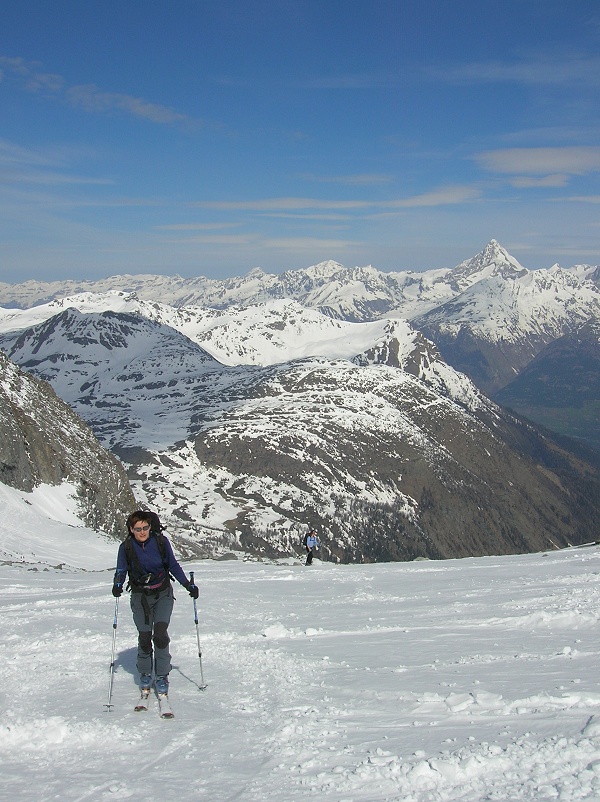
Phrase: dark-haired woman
(147, 558)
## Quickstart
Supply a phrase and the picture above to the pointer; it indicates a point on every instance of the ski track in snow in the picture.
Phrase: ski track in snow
(465, 680)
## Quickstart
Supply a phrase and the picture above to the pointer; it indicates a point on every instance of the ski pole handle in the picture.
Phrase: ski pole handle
(194, 600)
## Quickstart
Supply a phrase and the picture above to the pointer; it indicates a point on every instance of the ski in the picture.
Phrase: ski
(165, 706)
(143, 701)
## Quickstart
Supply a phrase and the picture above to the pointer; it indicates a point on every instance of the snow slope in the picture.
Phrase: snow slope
(263, 334)
(43, 529)
(461, 680)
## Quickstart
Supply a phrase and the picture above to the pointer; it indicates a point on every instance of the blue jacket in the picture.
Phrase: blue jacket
(148, 554)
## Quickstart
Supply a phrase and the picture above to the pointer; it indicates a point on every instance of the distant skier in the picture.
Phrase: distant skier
(310, 543)
(146, 555)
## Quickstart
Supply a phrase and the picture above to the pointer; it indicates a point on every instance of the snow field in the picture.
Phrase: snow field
(462, 680)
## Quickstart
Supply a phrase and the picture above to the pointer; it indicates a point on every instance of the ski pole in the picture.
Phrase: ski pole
(109, 705)
(203, 686)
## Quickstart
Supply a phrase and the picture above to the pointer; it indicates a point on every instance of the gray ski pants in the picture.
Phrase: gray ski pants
(151, 615)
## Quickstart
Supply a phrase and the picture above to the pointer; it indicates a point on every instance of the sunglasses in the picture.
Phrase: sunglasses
(141, 528)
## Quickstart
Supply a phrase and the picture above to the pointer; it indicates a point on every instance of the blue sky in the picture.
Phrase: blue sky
(211, 137)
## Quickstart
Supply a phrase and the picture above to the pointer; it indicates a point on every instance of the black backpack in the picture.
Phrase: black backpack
(136, 572)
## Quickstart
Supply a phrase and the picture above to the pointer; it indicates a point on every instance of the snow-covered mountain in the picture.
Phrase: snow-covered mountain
(489, 315)
(44, 443)
(583, 272)
(262, 334)
(247, 408)
(505, 315)
(356, 294)
(391, 452)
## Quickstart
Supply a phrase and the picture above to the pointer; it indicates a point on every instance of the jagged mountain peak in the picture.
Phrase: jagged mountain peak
(583, 272)
(256, 272)
(492, 260)
(328, 267)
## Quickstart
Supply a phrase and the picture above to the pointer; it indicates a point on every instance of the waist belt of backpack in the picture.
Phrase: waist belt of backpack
(145, 592)
(149, 591)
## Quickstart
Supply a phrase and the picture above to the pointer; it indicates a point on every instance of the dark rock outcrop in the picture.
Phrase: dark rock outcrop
(43, 441)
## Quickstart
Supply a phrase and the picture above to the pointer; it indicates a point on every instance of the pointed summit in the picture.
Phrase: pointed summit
(492, 260)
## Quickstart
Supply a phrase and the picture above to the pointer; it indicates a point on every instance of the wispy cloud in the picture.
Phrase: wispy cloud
(218, 239)
(90, 98)
(48, 177)
(583, 199)
(124, 203)
(564, 71)
(361, 179)
(20, 165)
(350, 81)
(12, 155)
(255, 240)
(538, 70)
(438, 197)
(283, 204)
(307, 243)
(195, 226)
(320, 216)
(543, 71)
(85, 96)
(541, 161)
(552, 135)
(530, 182)
(30, 74)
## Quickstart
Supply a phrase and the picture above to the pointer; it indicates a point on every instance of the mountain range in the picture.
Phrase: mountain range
(243, 424)
(489, 316)
(357, 294)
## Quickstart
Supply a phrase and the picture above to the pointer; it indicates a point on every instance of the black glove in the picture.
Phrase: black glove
(193, 591)
(117, 589)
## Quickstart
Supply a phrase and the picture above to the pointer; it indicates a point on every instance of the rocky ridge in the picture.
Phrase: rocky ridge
(43, 441)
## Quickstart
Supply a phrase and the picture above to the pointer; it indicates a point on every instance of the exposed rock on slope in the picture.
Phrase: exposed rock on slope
(43, 441)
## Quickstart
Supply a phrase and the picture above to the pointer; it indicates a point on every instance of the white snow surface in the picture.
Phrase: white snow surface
(263, 334)
(42, 529)
(465, 680)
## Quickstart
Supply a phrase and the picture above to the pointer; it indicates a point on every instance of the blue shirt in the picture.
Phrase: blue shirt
(151, 562)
